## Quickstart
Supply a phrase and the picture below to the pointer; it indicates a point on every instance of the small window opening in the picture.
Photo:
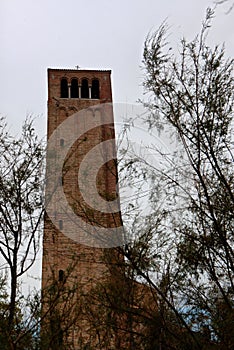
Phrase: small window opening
(95, 89)
(84, 89)
(61, 142)
(60, 180)
(61, 275)
(74, 88)
(64, 88)
(60, 224)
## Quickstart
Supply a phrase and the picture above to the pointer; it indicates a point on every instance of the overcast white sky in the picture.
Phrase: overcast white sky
(104, 34)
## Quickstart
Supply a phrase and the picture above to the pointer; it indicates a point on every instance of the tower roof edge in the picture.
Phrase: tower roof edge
(79, 70)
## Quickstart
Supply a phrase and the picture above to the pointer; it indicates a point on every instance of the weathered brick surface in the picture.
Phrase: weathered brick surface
(82, 264)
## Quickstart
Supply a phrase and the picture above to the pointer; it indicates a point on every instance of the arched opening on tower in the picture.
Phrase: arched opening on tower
(64, 88)
(85, 89)
(74, 88)
(95, 89)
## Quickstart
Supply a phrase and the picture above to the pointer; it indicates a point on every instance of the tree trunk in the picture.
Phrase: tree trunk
(12, 305)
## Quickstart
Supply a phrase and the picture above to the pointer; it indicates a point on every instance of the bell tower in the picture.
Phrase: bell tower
(80, 222)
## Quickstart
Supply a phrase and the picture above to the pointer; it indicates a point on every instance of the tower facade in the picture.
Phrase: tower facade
(76, 224)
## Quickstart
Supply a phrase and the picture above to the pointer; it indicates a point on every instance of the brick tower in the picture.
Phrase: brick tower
(71, 268)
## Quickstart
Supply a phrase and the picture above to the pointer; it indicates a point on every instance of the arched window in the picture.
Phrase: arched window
(64, 88)
(84, 89)
(95, 89)
(74, 88)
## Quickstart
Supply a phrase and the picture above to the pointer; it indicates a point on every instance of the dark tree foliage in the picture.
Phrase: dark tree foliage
(21, 213)
(194, 95)
(184, 245)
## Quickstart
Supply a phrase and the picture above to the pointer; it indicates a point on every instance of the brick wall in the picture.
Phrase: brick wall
(82, 266)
